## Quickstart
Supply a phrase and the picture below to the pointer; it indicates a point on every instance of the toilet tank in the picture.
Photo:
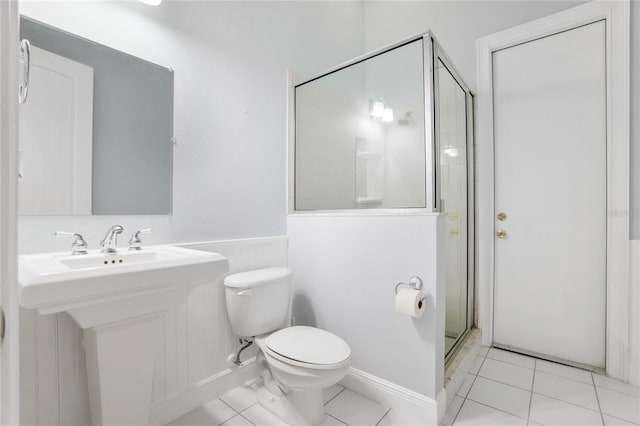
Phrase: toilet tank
(258, 300)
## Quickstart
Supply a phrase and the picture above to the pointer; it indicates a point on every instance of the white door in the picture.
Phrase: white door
(550, 183)
(56, 134)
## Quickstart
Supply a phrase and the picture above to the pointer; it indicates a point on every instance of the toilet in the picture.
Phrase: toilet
(296, 362)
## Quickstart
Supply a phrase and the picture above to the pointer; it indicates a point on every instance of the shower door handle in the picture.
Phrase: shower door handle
(25, 58)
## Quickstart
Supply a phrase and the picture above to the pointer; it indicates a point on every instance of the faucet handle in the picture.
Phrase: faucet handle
(79, 245)
(135, 242)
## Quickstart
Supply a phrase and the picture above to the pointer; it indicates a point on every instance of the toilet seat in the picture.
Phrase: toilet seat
(308, 347)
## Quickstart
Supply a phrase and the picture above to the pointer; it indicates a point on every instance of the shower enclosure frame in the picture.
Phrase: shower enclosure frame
(432, 52)
(438, 54)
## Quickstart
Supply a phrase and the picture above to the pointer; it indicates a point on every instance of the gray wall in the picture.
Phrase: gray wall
(230, 61)
(132, 123)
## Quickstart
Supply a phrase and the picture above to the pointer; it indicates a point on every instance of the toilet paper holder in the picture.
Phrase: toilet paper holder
(415, 282)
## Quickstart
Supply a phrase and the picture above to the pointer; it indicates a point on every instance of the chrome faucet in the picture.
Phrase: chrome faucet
(135, 242)
(110, 241)
(79, 245)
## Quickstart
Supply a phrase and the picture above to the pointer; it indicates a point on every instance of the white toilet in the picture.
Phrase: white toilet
(296, 363)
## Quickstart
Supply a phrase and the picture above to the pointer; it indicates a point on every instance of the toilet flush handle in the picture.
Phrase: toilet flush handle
(247, 292)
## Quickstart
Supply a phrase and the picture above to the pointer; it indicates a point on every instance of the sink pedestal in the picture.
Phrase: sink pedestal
(117, 299)
(120, 360)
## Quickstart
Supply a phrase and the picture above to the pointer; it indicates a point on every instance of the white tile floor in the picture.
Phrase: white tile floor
(504, 388)
(239, 408)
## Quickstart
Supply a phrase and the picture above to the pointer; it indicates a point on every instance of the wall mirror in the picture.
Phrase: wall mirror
(96, 131)
(360, 134)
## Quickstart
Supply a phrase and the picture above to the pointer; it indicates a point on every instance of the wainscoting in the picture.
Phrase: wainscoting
(190, 366)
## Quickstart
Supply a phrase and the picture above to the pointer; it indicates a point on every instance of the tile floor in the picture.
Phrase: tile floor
(505, 388)
(239, 408)
(502, 388)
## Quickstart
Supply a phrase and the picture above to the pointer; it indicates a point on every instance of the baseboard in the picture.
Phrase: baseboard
(407, 407)
(200, 393)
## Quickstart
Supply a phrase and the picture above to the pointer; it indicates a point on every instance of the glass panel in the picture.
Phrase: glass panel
(360, 137)
(453, 191)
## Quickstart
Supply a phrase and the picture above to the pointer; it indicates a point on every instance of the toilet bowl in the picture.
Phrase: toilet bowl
(296, 363)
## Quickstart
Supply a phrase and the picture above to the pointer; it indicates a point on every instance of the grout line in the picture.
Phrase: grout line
(566, 402)
(506, 384)
(595, 389)
(240, 412)
(228, 420)
(334, 397)
(236, 411)
(464, 399)
(565, 377)
(382, 418)
(511, 363)
(468, 391)
(336, 419)
(247, 419)
(497, 409)
(475, 376)
(610, 389)
(484, 358)
(618, 418)
(533, 381)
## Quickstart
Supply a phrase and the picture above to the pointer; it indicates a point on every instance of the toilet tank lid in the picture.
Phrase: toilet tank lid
(257, 276)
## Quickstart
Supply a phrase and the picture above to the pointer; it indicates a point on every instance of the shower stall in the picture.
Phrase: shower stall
(391, 133)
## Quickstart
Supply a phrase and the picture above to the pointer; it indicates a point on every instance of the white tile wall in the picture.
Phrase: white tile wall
(192, 346)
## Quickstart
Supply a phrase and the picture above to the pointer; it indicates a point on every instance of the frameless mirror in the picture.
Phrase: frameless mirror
(96, 131)
(360, 135)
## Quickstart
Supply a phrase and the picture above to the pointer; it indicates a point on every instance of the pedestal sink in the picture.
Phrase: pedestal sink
(117, 299)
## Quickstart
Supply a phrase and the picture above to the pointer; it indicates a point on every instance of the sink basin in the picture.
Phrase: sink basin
(90, 286)
(117, 299)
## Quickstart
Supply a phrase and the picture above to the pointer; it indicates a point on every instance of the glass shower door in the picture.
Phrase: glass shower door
(453, 142)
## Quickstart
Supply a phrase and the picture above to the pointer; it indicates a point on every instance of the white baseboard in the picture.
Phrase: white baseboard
(408, 408)
(200, 393)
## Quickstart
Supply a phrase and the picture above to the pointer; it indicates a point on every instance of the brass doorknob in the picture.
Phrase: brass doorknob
(502, 234)
(502, 216)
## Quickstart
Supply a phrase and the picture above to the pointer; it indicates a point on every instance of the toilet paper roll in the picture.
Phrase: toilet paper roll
(410, 302)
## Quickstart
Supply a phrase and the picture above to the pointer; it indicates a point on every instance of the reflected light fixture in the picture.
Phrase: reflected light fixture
(387, 115)
(377, 109)
(151, 2)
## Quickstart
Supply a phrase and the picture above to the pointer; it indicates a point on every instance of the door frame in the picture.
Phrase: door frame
(617, 17)
(9, 351)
